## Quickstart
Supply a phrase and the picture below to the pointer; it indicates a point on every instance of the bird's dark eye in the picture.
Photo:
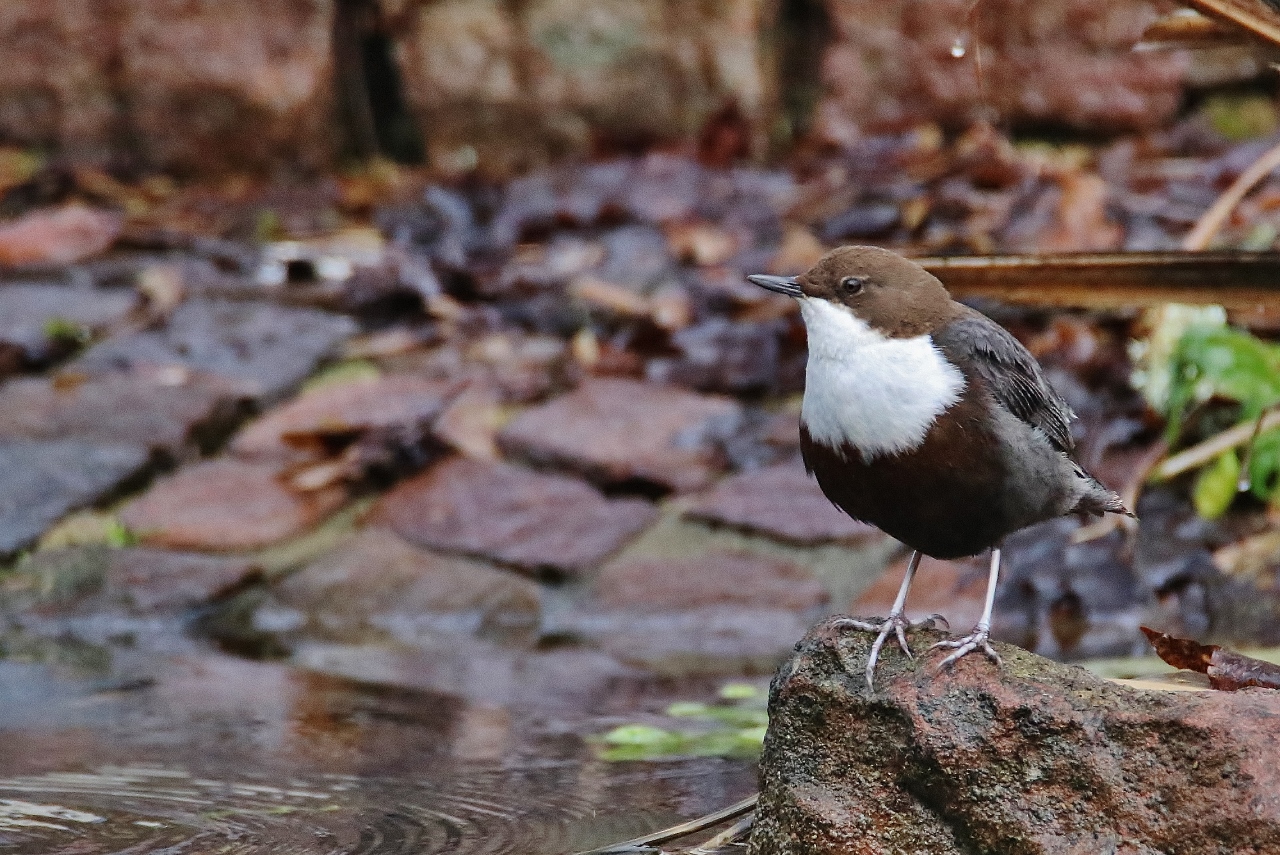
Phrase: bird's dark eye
(851, 284)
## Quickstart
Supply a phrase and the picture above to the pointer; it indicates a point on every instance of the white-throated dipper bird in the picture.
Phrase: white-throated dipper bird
(928, 420)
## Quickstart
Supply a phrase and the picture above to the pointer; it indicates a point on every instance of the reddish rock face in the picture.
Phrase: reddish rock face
(535, 522)
(233, 83)
(619, 432)
(342, 412)
(206, 87)
(226, 505)
(1061, 61)
(558, 70)
(54, 84)
(174, 413)
(1032, 757)
(781, 502)
(186, 86)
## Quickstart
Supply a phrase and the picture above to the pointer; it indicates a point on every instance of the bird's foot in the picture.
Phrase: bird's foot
(896, 624)
(976, 640)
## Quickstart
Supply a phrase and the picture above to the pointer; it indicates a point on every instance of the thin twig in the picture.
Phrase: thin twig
(1202, 453)
(729, 835)
(1245, 482)
(675, 832)
(1212, 220)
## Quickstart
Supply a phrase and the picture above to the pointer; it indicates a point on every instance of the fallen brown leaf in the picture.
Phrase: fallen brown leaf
(1227, 670)
(58, 236)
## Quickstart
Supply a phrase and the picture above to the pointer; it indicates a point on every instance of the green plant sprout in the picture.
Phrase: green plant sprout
(1224, 363)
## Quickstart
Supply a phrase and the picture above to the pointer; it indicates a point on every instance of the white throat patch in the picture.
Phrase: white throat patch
(879, 394)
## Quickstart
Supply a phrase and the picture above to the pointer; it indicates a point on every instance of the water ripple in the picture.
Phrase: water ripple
(475, 811)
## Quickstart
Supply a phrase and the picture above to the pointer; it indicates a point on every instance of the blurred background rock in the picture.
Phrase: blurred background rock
(203, 87)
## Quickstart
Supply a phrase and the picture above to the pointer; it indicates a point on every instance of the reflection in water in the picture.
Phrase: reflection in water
(145, 809)
(207, 753)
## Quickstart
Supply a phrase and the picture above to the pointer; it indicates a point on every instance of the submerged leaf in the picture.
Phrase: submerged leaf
(638, 734)
(739, 691)
(683, 709)
(733, 729)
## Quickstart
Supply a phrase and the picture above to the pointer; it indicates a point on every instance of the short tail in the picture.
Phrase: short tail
(1098, 500)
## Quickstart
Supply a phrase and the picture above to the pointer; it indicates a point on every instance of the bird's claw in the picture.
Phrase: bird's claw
(896, 624)
(932, 622)
(976, 640)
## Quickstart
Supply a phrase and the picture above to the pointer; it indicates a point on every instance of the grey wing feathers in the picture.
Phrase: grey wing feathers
(1010, 372)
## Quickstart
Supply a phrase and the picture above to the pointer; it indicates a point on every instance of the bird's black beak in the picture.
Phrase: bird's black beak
(788, 285)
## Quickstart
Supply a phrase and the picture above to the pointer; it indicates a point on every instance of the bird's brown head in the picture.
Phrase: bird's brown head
(893, 294)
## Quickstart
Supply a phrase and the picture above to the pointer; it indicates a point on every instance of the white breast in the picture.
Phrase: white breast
(878, 394)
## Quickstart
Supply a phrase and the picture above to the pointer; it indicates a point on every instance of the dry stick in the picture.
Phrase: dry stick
(1202, 453)
(1210, 223)
(1250, 15)
(1196, 240)
(1245, 481)
(675, 832)
(732, 834)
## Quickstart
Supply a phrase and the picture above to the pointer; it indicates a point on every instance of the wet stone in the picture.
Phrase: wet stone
(41, 480)
(266, 349)
(764, 439)
(664, 187)
(226, 505)
(713, 579)
(171, 412)
(721, 356)
(625, 433)
(333, 415)
(378, 586)
(542, 267)
(866, 220)
(636, 257)
(520, 368)
(546, 524)
(138, 581)
(720, 612)
(580, 194)
(36, 321)
(592, 190)
(781, 502)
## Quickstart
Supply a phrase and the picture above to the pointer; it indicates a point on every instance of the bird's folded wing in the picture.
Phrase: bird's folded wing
(1010, 373)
